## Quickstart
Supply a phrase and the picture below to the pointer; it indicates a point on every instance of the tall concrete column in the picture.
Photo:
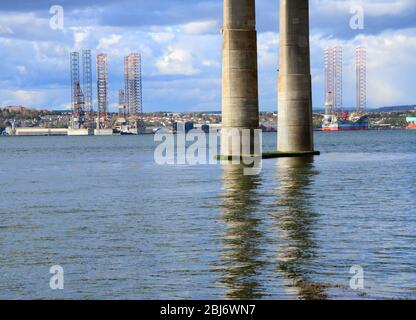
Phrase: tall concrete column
(295, 88)
(240, 104)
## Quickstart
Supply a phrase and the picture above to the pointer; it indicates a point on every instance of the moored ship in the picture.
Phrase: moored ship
(343, 121)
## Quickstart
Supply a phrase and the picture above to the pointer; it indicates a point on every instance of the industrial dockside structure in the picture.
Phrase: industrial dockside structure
(83, 120)
(102, 126)
(132, 96)
(80, 121)
(335, 117)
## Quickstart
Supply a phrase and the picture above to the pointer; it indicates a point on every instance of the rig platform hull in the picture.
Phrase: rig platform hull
(345, 126)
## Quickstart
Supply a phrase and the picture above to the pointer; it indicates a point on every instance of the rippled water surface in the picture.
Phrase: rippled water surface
(123, 227)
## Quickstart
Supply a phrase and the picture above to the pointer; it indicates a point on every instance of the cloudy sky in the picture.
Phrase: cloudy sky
(181, 46)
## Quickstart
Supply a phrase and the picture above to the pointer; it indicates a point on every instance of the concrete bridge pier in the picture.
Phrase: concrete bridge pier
(295, 88)
(240, 104)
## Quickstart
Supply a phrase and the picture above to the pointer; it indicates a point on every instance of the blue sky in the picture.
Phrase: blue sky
(181, 46)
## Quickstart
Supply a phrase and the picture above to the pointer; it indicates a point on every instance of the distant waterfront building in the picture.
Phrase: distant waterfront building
(17, 109)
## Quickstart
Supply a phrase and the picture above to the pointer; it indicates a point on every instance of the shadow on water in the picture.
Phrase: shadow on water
(240, 260)
(295, 222)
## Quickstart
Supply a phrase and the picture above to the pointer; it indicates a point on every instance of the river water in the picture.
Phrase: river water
(123, 227)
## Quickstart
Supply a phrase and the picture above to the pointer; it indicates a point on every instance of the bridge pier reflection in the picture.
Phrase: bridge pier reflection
(294, 221)
(269, 248)
(240, 259)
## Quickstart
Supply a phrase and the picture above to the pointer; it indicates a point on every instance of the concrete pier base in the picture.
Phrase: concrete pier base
(240, 81)
(299, 154)
(275, 155)
(295, 129)
(240, 104)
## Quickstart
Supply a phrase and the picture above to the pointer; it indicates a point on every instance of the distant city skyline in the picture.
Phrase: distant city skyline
(181, 53)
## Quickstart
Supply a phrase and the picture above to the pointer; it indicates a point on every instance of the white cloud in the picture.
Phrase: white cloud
(162, 37)
(176, 61)
(80, 36)
(268, 43)
(21, 69)
(23, 97)
(107, 43)
(211, 63)
(5, 30)
(200, 27)
(371, 7)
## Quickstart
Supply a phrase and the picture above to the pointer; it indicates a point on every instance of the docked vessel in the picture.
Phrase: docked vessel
(343, 121)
